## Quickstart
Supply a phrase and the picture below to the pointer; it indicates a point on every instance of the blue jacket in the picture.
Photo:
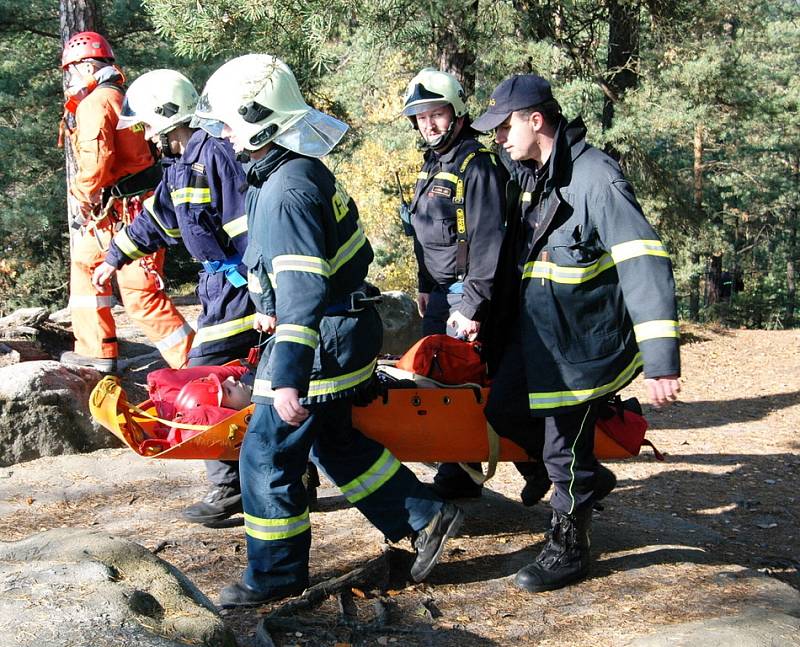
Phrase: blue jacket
(307, 253)
(200, 201)
(587, 276)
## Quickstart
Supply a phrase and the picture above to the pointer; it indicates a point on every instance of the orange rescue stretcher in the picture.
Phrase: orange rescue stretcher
(416, 424)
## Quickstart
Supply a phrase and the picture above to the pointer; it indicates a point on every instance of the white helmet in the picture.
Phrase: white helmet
(432, 88)
(257, 97)
(162, 100)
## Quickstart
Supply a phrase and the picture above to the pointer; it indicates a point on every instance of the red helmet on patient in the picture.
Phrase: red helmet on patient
(199, 392)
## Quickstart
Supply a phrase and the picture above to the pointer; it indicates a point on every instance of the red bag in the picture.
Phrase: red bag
(446, 360)
(620, 430)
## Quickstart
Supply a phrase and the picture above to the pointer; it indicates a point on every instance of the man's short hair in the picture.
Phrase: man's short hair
(550, 111)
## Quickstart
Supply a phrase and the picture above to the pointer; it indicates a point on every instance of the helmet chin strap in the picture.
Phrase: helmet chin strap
(166, 147)
(444, 140)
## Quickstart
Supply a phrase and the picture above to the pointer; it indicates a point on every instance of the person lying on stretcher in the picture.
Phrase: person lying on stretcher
(200, 395)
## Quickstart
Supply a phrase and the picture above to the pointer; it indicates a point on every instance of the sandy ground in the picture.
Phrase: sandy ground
(679, 540)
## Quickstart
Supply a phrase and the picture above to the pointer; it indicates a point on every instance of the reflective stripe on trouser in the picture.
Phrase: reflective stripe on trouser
(146, 303)
(272, 462)
(569, 457)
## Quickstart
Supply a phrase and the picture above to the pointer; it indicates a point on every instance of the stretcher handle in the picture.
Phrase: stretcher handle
(494, 454)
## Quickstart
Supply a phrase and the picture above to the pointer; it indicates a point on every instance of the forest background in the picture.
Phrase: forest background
(698, 99)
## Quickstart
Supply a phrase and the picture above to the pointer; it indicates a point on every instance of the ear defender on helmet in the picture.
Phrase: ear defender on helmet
(253, 112)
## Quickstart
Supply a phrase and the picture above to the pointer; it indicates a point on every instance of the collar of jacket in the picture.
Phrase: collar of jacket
(258, 173)
(568, 146)
(194, 146)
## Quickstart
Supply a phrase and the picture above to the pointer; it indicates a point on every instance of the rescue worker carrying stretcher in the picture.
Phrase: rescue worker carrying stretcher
(583, 300)
(199, 202)
(116, 172)
(307, 258)
(457, 219)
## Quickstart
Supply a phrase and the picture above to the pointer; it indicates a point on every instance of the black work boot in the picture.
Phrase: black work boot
(537, 485)
(604, 482)
(429, 542)
(564, 558)
(240, 594)
(219, 504)
(452, 482)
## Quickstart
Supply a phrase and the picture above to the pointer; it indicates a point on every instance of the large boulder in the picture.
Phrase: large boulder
(402, 326)
(78, 587)
(44, 412)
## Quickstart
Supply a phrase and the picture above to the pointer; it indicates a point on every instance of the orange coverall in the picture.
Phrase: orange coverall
(105, 155)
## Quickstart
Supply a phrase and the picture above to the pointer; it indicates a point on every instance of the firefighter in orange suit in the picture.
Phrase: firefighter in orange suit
(116, 172)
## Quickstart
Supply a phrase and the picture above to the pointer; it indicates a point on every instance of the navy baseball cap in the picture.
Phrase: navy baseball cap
(515, 93)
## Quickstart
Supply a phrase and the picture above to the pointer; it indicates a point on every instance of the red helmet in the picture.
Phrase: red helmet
(204, 390)
(86, 44)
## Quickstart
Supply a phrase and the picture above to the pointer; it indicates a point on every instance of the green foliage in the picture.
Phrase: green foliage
(719, 78)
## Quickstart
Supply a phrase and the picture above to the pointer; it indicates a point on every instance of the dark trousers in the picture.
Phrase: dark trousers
(221, 472)
(273, 460)
(564, 442)
(440, 304)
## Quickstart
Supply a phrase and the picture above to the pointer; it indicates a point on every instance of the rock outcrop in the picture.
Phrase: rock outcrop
(77, 587)
(402, 326)
(44, 412)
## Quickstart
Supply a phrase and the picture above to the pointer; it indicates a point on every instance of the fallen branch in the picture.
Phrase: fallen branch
(376, 569)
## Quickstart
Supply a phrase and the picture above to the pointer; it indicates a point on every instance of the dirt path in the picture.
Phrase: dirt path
(674, 543)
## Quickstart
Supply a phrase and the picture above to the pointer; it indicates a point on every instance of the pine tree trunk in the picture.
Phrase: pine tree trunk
(694, 295)
(455, 53)
(623, 54)
(74, 16)
(714, 280)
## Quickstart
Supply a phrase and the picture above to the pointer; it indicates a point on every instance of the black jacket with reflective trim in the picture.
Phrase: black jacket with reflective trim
(435, 207)
(306, 253)
(596, 298)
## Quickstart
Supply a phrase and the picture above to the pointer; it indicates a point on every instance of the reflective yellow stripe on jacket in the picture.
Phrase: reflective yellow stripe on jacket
(272, 529)
(441, 175)
(150, 207)
(564, 274)
(192, 195)
(297, 334)
(127, 246)
(550, 271)
(325, 386)
(298, 263)
(555, 399)
(348, 250)
(223, 330)
(235, 227)
(633, 248)
(656, 329)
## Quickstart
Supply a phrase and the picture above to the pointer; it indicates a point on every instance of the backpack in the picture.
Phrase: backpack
(445, 359)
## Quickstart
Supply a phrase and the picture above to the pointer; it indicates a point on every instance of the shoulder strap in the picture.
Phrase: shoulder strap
(462, 249)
